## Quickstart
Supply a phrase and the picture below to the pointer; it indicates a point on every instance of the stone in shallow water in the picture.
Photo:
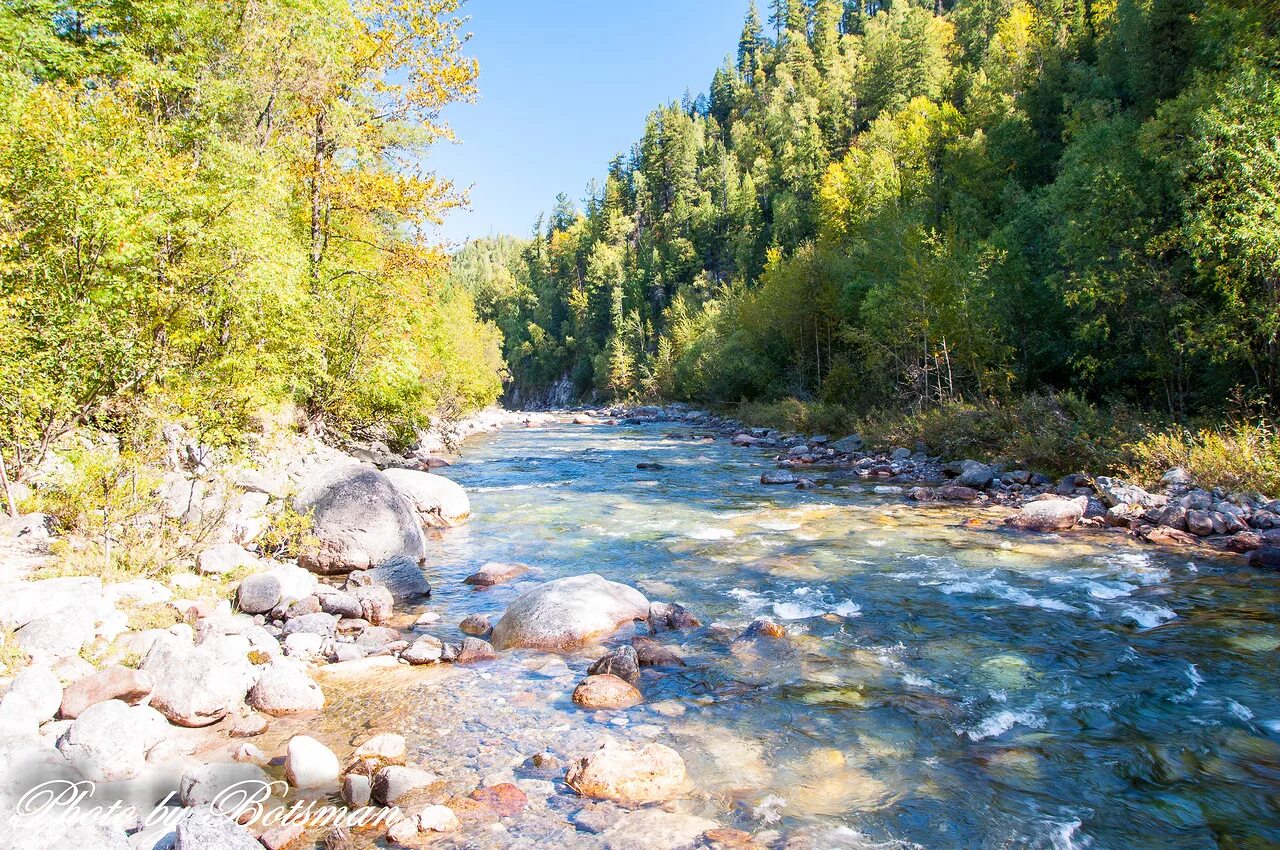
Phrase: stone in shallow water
(495, 572)
(504, 798)
(654, 829)
(567, 613)
(650, 653)
(309, 763)
(629, 774)
(476, 624)
(622, 662)
(606, 691)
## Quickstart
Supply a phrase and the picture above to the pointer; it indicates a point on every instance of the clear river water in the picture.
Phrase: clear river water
(945, 684)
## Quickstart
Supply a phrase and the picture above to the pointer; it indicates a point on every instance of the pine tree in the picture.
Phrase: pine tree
(750, 41)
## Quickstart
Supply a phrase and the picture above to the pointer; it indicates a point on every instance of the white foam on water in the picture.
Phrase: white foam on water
(1145, 615)
(751, 602)
(1241, 711)
(917, 681)
(794, 611)
(777, 525)
(1001, 722)
(1273, 725)
(1109, 589)
(847, 608)
(710, 533)
(1196, 681)
(1067, 836)
(877, 543)
(769, 810)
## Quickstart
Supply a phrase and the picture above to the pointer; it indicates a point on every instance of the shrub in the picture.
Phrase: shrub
(1237, 456)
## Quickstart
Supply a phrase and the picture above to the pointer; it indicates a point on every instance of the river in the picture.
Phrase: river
(945, 684)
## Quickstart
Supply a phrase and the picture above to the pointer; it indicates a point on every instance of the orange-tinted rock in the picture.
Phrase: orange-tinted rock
(505, 799)
(606, 691)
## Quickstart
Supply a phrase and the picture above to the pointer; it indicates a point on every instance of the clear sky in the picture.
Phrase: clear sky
(565, 85)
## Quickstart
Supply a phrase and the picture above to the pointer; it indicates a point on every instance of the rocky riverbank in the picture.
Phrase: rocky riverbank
(268, 667)
(1182, 514)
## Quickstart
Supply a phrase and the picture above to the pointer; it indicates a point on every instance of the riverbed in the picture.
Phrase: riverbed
(945, 683)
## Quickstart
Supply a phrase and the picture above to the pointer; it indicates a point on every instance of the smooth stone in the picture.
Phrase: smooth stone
(424, 650)
(109, 742)
(309, 763)
(474, 650)
(202, 785)
(622, 662)
(476, 624)
(654, 829)
(205, 829)
(495, 572)
(606, 691)
(629, 774)
(259, 593)
(439, 501)
(1049, 514)
(196, 686)
(567, 613)
(394, 782)
(123, 683)
(284, 691)
(360, 519)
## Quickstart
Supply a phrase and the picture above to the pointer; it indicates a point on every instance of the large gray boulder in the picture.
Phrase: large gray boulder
(360, 519)
(206, 829)
(849, 444)
(109, 742)
(567, 613)
(283, 691)
(440, 502)
(197, 686)
(974, 474)
(1050, 514)
(202, 785)
(22, 602)
(32, 698)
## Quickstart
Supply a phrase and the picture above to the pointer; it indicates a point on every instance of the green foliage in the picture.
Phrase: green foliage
(288, 533)
(918, 207)
(212, 206)
(1237, 456)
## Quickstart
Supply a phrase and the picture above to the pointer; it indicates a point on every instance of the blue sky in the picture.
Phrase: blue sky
(565, 85)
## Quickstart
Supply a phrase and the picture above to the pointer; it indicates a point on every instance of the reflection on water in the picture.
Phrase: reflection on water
(945, 684)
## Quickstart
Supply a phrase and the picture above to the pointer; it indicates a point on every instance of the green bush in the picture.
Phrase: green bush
(1238, 456)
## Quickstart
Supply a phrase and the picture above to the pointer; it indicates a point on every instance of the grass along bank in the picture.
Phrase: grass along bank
(1053, 433)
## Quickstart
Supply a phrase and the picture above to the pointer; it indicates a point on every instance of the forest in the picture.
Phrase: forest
(208, 208)
(905, 205)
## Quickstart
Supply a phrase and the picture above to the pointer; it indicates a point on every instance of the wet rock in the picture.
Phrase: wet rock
(762, 627)
(505, 799)
(338, 839)
(205, 829)
(248, 725)
(360, 519)
(325, 625)
(424, 650)
(655, 829)
(849, 445)
(650, 653)
(196, 686)
(204, 784)
(109, 741)
(1200, 523)
(545, 761)
(224, 558)
(922, 494)
(123, 683)
(395, 782)
(621, 662)
(606, 691)
(357, 790)
(284, 691)
(401, 575)
(971, 473)
(1049, 515)
(496, 572)
(439, 501)
(259, 593)
(341, 604)
(376, 603)
(33, 697)
(567, 613)
(249, 754)
(474, 650)
(309, 763)
(1267, 558)
(476, 624)
(650, 466)
(1166, 536)
(778, 476)
(437, 819)
(281, 837)
(629, 774)
(957, 493)
(1245, 541)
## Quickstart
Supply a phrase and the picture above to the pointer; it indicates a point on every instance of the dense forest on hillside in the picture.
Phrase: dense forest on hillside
(907, 203)
(207, 207)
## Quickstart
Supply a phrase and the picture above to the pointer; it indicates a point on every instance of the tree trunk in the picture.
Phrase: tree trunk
(8, 494)
(317, 228)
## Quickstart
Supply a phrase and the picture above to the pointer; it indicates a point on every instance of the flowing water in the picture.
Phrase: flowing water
(945, 684)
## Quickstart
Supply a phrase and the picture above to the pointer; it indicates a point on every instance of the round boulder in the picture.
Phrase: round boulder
(568, 613)
(1049, 514)
(629, 774)
(606, 691)
(359, 520)
(440, 502)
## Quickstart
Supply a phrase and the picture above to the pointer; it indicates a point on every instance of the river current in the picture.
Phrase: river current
(945, 684)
